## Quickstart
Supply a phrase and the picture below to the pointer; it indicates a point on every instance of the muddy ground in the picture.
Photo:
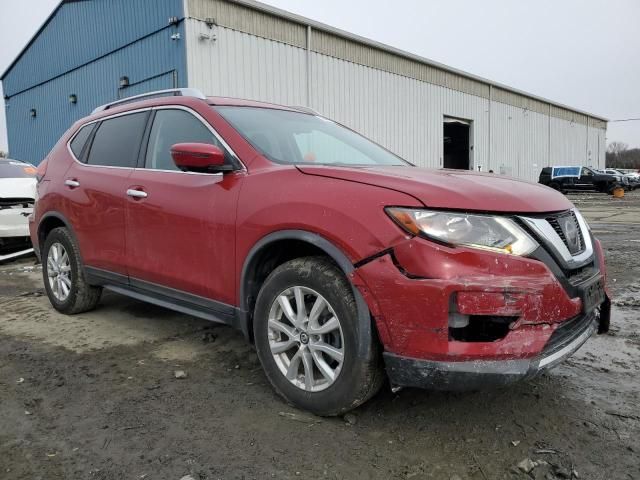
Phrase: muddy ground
(95, 397)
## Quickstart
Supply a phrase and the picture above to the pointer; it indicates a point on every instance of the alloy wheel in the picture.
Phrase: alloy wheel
(306, 339)
(59, 272)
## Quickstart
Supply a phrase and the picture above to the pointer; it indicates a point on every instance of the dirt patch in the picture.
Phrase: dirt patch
(95, 396)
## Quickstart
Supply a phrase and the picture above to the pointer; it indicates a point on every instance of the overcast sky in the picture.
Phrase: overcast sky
(582, 53)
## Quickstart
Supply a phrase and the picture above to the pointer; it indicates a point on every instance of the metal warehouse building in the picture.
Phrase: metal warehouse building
(90, 52)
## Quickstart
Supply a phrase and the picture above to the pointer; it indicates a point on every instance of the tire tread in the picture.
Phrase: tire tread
(371, 375)
(83, 297)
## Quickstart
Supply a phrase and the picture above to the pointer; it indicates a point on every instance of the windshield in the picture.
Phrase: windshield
(299, 138)
(16, 169)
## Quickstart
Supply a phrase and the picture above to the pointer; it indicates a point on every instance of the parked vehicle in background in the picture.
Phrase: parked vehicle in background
(631, 173)
(331, 254)
(619, 176)
(577, 178)
(634, 178)
(631, 178)
(17, 196)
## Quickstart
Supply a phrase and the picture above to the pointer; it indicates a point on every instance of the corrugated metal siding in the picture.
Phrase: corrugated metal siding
(398, 101)
(346, 49)
(519, 141)
(402, 114)
(161, 81)
(399, 112)
(83, 31)
(597, 147)
(255, 21)
(520, 101)
(569, 115)
(568, 142)
(246, 66)
(380, 104)
(595, 123)
(147, 63)
(248, 20)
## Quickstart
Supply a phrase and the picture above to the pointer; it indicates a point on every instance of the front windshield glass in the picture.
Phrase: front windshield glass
(299, 138)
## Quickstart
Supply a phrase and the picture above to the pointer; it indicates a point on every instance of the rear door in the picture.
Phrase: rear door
(96, 185)
(181, 226)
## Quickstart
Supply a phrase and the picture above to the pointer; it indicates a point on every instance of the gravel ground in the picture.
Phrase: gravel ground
(96, 396)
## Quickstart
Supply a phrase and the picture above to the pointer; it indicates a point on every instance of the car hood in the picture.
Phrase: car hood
(453, 189)
(17, 188)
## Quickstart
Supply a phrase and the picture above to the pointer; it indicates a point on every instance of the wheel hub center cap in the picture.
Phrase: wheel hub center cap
(304, 338)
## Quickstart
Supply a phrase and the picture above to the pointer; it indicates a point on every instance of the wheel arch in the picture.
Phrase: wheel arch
(51, 220)
(294, 243)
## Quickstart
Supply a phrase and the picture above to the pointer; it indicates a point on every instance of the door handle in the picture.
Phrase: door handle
(137, 193)
(72, 183)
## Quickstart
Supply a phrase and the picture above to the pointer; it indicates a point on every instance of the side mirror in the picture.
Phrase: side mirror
(198, 157)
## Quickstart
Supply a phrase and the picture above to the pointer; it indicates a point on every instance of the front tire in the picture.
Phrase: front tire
(307, 338)
(63, 275)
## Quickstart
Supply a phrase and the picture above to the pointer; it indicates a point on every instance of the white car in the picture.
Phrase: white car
(633, 176)
(620, 177)
(17, 196)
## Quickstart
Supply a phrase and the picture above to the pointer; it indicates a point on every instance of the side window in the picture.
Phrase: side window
(586, 172)
(79, 141)
(171, 127)
(117, 141)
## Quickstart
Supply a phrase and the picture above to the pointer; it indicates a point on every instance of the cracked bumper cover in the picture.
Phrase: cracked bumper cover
(479, 374)
(411, 313)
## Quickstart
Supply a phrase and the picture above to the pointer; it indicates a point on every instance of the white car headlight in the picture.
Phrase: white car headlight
(486, 232)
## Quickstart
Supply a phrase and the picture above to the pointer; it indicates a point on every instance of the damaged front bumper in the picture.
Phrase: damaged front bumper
(479, 374)
(417, 292)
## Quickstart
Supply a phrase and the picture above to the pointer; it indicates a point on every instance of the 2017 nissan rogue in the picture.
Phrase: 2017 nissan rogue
(339, 260)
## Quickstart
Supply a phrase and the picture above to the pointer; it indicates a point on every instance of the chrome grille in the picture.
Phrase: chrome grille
(575, 247)
(566, 235)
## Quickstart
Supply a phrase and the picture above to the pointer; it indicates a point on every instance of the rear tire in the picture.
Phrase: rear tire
(63, 275)
(289, 346)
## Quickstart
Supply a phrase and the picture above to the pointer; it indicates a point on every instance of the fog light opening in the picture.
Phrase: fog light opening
(482, 328)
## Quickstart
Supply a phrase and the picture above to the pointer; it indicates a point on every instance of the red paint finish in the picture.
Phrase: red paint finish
(196, 155)
(182, 234)
(415, 311)
(455, 189)
(194, 232)
(97, 210)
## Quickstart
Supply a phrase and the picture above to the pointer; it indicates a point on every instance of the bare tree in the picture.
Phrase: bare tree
(616, 148)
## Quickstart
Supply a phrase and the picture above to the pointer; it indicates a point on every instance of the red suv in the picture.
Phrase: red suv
(337, 259)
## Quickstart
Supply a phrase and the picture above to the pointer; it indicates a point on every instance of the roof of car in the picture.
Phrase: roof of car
(150, 100)
(240, 102)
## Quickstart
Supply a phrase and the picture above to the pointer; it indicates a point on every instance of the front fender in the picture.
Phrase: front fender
(250, 263)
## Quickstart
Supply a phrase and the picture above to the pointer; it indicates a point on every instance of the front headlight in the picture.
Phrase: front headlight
(487, 232)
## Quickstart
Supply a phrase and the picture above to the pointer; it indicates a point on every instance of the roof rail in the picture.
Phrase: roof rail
(178, 92)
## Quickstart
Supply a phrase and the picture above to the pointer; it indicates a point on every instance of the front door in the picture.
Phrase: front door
(181, 226)
(585, 182)
(96, 186)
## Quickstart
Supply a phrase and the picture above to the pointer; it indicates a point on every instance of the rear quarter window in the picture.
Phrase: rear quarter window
(80, 140)
(117, 141)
